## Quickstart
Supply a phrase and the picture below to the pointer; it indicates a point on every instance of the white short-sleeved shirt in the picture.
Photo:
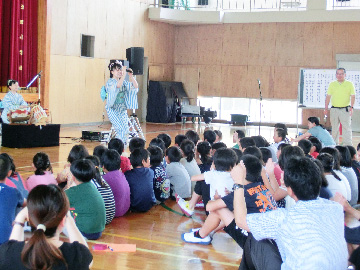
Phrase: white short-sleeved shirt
(218, 180)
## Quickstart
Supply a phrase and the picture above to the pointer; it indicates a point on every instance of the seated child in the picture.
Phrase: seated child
(77, 152)
(192, 135)
(104, 190)
(218, 135)
(15, 180)
(43, 174)
(99, 150)
(219, 179)
(178, 176)
(136, 143)
(118, 145)
(86, 204)
(305, 145)
(209, 136)
(238, 134)
(140, 180)
(166, 139)
(161, 180)
(216, 146)
(160, 143)
(317, 146)
(117, 181)
(188, 161)
(10, 200)
(312, 226)
(179, 138)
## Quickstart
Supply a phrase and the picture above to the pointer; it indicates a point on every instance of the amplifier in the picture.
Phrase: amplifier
(100, 136)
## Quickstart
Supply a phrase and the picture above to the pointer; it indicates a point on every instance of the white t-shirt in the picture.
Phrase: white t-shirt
(218, 180)
(342, 186)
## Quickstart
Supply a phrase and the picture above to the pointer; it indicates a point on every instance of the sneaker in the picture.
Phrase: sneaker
(191, 238)
(200, 204)
(177, 197)
(194, 229)
(184, 205)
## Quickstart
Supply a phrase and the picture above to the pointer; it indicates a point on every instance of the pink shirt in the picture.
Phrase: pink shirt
(35, 180)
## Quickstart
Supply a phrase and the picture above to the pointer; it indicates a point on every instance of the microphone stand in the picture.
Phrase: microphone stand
(260, 103)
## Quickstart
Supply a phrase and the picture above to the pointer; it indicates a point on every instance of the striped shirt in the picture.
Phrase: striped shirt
(108, 197)
(310, 235)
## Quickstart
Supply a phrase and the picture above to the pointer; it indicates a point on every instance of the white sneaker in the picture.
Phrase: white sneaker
(184, 205)
(190, 238)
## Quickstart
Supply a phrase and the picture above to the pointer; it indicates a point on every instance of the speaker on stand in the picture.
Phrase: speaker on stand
(135, 56)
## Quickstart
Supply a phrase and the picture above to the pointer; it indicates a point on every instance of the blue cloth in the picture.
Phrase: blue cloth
(323, 135)
(10, 199)
(11, 101)
(142, 196)
(309, 235)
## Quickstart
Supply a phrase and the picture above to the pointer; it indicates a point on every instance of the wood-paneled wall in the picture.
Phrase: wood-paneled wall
(75, 82)
(231, 57)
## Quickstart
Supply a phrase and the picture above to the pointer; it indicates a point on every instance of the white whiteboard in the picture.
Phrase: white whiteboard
(314, 84)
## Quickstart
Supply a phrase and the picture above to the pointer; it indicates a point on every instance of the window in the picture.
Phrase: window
(87, 45)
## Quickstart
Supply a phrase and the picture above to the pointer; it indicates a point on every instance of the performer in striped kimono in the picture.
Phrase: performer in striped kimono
(12, 100)
(117, 89)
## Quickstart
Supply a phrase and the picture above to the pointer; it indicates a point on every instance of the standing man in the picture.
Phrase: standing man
(342, 95)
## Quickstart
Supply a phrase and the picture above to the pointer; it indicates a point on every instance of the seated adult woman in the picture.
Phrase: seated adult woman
(12, 100)
(316, 130)
(47, 212)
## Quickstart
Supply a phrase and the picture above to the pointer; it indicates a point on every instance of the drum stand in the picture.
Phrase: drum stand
(134, 128)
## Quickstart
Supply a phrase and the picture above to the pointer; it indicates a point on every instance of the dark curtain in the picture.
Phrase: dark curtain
(18, 41)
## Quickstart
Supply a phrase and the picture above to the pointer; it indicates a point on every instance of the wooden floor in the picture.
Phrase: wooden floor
(157, 234)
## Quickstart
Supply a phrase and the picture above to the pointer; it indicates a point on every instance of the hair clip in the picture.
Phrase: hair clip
(118, 62)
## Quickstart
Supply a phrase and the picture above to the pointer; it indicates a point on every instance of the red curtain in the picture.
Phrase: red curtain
(18, 41)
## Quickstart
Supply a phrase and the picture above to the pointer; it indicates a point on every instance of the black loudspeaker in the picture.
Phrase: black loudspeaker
(135, 56)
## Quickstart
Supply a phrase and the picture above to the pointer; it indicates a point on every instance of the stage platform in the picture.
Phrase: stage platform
(28, 136)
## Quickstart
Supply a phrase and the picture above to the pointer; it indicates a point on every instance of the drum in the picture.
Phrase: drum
(38, 115)
(19, 115)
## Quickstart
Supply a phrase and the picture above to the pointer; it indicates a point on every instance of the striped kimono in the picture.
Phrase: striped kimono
(116, 105)
(11, 102)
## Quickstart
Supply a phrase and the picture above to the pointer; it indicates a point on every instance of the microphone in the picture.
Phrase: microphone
(259, 81)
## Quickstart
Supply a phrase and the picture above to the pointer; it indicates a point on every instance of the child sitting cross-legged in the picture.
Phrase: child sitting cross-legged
(219, 179)
(180, 183)
(86, 204)
(117, 181)
(118, 145)
(140, 180)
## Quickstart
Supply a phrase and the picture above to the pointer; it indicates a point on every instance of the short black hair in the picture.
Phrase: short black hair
(166, 139)
(316, 142)
(225, 159)
(117, 145)
(98, 151)
(12, 164)
(218, 133)
(345, 156)
(77, 152)
(210, 136)
(283, 126)
(303, 176)
(239, 155)
(204, 149)
(241, 133)
(158, 142)
(188, 148)
(260, 141)
(174, 154)
(327, 161)
(179, 138)
(266, 154)
(218, 145)
(314, 120)
(111, 160)
(335, 154)
(254, 151)
(191, 135)
(305, 145)
(287, 153)
(83, 170)
(10, 82)
(246, 142)
(156, 155)
(281, 133)
(358, 147)
(281, 146)
(136, 143)
(137, 156)
(352, 150)
(4, 167)
(253, 168)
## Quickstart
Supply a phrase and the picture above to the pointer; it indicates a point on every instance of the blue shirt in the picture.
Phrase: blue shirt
(323, 135)
(10, 198)
(309, 235)
(142, 196)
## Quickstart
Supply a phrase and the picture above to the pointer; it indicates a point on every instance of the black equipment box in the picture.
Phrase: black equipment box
(99, 136)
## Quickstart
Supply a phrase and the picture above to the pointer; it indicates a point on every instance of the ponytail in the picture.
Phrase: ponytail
(188, 148)
(38, 253)
(335, 175)
(41, 162)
